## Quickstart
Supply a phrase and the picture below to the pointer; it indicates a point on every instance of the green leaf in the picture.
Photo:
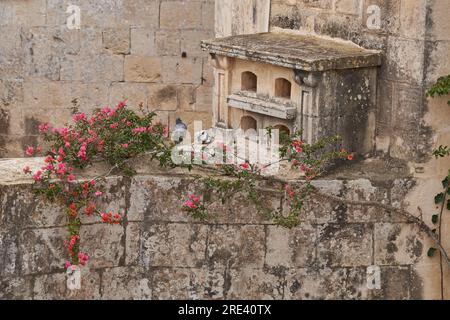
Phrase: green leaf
(445, 183)
(431, 252)
(439, 198)
(435, 218)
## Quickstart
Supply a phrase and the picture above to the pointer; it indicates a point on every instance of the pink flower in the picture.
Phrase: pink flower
(139, 130)
(67, 265)
(79, 117)
(121, 105)
(38, 176)
(70, 178)
(245, 166)
(190, 204)
(26, 169)
(194, 198)
(29, 151)
(62, 168)
(125, 145)
(114, 126)
(98, 193)
(44, 127)
(67, 144)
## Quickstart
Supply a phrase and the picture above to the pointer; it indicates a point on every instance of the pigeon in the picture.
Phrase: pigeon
(180, 131)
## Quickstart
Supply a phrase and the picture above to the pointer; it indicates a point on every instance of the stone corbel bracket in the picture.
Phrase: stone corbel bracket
(309, 79)
(221, 62)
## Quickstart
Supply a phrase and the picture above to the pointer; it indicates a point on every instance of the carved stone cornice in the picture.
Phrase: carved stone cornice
(309, 79)
(221, 62)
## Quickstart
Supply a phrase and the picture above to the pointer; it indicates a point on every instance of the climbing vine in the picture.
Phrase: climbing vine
(439, 89)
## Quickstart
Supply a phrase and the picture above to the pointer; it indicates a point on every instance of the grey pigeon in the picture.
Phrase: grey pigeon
(179, 133)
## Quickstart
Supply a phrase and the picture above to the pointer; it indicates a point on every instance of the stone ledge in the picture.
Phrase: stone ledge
(295, 51)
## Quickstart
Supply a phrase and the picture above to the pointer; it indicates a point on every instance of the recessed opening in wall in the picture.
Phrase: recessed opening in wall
(282, 88)
(247, 123)
(249, 81)
(282, 129)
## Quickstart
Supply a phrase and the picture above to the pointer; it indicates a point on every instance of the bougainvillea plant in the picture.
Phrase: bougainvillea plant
(116, 135)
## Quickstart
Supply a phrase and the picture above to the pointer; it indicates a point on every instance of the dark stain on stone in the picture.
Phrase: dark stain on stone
(391, 248)
(167, 93)
(4, 121)
(31, 126)
(415, 247)
(295, 287)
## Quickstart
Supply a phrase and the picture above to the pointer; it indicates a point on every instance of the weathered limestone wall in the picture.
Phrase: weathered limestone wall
(414, 37)
(160, 252)
(144, 50)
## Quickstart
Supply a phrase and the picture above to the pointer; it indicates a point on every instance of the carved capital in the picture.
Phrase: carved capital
(309, 79)
(221, 62)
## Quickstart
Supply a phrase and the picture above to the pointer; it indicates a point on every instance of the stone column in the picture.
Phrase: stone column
(222, 67)
(308, 115)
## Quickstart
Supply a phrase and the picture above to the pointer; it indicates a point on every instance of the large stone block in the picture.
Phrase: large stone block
(256, 284)
(42, 250)
(175, 245)
(117, 40)
(141, 13)
(133, 93)
(126, 283)
(335, 284)
(190, 42)
(143, 42)
(23, 13)
(167, 43)
(158, 199)
(93, 68)
(345, 245)
(162, 97)
(236, 246)
(188, 283)
(399, 244)
(104, 243)
(182, 70)
(54, 286)
(143, 69)
(291, 248)
(16, 288)
(181, 15)
(404, 60)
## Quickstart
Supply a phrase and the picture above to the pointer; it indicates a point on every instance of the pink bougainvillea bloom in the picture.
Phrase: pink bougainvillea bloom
(79, 117)
(98, 193)
(121, 105)
(29, 151)
(37, 176)
(67, 144)
(114, 126)
(245, 166)
(70, 178)
(26, 169)
(125, 145)
(190, 204)
(194, 198)
(44, 127)
(67, 265)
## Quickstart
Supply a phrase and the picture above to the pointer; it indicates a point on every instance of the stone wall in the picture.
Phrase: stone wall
(160, 253)
(147, 51)
(414, 38)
